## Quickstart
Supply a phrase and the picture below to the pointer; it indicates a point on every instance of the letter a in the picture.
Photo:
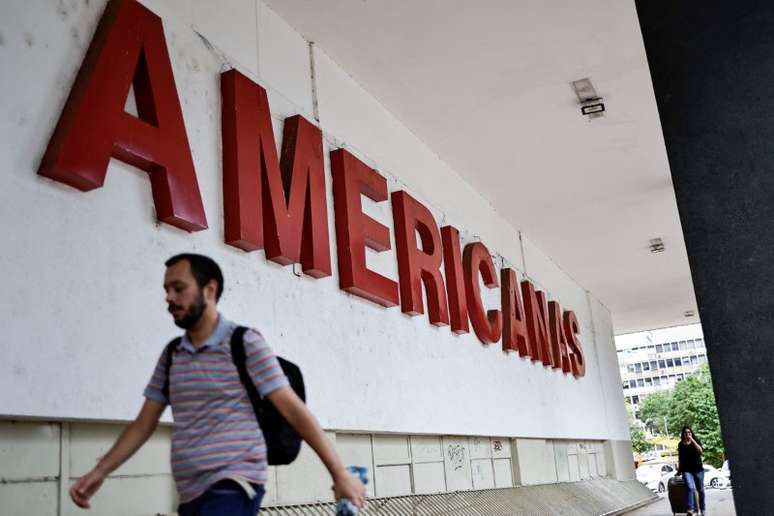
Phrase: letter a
(128, 48)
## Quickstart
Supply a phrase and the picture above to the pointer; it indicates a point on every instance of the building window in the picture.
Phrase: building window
(694, 360)
(630, 368)
(675, 346)
(626, 385)
(683, 345)
(648, 382)
(662, 364)
(635, 400)
(646, 366)
(653, 364)
(702, 359)
(678, 362)
(659, 348)
(680, 377)
(670, 362)
(640, 383)
(632, 383)
(637, 367)
(656, 381)
(664, 379)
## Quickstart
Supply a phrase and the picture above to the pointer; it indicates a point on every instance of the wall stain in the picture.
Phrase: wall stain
(29, 39)
(62, 10)
(2, 39)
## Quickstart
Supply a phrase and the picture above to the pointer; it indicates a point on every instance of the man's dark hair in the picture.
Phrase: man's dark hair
(203, 269)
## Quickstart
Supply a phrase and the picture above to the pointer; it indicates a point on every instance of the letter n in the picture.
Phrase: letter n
(128, 49)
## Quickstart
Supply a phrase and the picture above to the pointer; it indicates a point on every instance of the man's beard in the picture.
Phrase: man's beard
(193, 314)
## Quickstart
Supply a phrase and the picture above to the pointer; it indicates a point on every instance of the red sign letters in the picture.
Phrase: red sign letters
(279, 204)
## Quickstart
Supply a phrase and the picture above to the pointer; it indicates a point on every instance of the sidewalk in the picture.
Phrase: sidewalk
(720, 502)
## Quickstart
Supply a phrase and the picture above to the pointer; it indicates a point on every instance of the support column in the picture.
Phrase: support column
(712, 65)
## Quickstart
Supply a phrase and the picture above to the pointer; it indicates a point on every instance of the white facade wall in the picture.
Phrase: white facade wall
(83, 310)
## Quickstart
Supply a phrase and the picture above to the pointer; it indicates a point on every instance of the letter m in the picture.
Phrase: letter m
(267, 203)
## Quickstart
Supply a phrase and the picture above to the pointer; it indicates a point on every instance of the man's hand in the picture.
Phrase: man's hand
(350, 487)
(130, 440)
(86, 486)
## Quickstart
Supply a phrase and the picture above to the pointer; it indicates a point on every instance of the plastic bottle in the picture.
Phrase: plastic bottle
(344, 506)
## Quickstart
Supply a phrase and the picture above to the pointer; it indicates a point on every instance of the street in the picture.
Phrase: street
(720, 502)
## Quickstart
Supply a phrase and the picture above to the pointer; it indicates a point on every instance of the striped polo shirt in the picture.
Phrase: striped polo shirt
(216, 435)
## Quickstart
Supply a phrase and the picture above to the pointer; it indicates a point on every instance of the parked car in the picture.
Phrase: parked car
(726, 470)
(651, 474)
(713, 477)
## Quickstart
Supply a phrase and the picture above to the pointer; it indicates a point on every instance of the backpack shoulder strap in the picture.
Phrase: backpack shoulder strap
(170, 352)
(240, 361)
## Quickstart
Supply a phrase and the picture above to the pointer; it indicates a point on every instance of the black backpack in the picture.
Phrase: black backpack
(282, 441)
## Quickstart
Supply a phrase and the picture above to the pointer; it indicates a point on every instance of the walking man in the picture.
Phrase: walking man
(218, 449)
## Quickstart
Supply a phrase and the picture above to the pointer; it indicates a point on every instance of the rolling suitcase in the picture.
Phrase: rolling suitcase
(678, 495)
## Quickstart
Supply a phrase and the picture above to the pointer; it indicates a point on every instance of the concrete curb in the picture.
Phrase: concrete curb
(632, 507)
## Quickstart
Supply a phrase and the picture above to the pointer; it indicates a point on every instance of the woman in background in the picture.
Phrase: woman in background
(689, 452)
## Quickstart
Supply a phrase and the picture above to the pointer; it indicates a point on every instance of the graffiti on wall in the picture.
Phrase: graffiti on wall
(455, 454)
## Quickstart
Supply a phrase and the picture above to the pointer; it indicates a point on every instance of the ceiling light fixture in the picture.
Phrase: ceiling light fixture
(689, 313)
(656, 245)
(591, 103)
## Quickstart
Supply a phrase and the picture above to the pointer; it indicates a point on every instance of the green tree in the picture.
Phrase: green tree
(654, 411)
(637, 432)
(639, 442)
(693, 404)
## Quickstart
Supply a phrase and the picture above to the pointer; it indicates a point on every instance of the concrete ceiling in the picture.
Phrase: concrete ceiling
(486, 85)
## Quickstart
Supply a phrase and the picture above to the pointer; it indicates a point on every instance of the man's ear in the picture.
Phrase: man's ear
(210, 291)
